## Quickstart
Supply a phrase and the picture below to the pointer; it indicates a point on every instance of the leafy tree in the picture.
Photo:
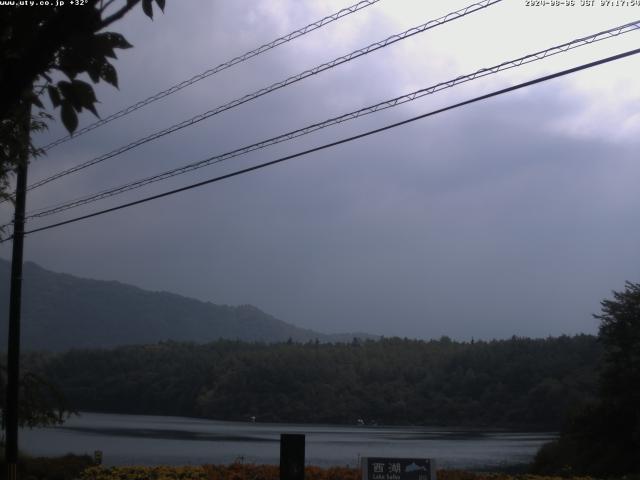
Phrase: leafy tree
(40, 44)
(620, 379)
(49, 49)
(41, 403)
(620, 334)
(604, 439)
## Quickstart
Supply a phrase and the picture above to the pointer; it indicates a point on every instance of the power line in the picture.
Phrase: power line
(293, 79)
(539, 55)
(339, 142)
(212, 71)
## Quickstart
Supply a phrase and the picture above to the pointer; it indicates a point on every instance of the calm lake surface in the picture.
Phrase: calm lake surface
(155, 440)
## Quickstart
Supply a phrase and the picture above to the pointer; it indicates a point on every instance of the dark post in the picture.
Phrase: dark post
(291, 457)
(13, 352)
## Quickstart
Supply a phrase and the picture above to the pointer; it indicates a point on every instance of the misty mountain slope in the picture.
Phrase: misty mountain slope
(60, 312)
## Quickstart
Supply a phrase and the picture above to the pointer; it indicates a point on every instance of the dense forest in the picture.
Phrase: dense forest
(517, 382)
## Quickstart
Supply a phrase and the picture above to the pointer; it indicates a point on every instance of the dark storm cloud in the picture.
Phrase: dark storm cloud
(483, 222)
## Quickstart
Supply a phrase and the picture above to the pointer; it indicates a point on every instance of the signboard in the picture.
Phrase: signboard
(383, 468)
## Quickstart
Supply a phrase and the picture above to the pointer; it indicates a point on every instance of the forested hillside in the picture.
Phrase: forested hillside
(62, 311)
(517, 382)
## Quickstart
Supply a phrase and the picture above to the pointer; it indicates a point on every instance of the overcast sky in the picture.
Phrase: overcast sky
(514, 216)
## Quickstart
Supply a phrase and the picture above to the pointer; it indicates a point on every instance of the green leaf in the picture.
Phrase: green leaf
(85, 96)
(69, 117)
(105, 43)
(65, 90)
(54, 95)
(147, 8)
(106, 50)
(84, 92)
(92, 109)
(161, 4)
(73, 59)
(36, 101)
(79, 94)
(69, 95)
(93, 70)
(69, 71)
(109, 74)
(114, 40)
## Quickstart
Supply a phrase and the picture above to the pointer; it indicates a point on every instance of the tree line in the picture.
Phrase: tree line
(533, 383)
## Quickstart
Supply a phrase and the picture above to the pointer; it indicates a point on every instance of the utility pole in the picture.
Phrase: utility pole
(13, 352)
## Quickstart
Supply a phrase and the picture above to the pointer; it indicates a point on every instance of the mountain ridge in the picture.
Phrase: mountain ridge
(61, 311)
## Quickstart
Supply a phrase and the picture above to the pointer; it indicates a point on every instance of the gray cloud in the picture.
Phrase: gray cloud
(485, 221)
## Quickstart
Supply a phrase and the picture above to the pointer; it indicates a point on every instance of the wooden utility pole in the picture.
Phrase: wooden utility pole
(13, 351)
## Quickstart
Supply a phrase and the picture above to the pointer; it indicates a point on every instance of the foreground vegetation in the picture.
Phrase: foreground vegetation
(80, 468)
(270, 472)
(68, 467)
(517, 382)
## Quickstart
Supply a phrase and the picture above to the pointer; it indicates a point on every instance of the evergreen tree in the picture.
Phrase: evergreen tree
(605, 438)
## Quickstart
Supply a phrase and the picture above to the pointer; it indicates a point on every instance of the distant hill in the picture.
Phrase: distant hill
(61, 311)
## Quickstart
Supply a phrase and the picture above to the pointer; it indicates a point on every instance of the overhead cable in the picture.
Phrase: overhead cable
(533, 57)
(263, 91)
(212, 71)
(339, 142)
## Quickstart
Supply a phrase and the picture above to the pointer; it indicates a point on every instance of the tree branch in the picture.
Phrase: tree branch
(106, 5)
(119, 14)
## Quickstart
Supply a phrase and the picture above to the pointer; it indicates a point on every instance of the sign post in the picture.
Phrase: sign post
(384, 468)
(292, 456)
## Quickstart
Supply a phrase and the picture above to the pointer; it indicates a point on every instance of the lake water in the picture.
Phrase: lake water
(155, 440)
